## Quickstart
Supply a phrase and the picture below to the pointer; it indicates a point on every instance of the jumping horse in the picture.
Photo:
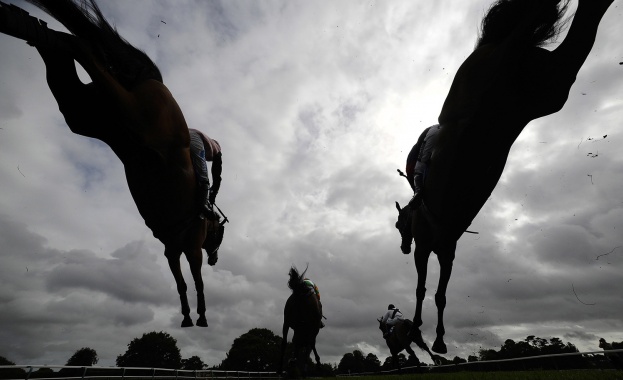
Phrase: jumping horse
(303, 314)
(506, 82)
(128, 107)
(399, 340)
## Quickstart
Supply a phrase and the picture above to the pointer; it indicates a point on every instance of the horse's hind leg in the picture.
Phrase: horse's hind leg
(446, 258)
(173, 258)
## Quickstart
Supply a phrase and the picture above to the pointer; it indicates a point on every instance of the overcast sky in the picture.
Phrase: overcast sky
(315, 104)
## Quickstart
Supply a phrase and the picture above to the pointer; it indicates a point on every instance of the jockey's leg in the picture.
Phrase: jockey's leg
(173, 257)
(197, 155)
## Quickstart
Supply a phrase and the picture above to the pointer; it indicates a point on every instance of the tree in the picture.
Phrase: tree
(84, 357)
(352, 362)
(152, 350)
(256, 350)
(10, 373)
(193, 363)
(371, 363)
(535, 346)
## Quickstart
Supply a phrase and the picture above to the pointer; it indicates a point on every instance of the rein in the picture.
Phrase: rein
(225, 220)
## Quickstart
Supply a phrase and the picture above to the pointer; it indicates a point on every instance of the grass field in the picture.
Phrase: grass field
(520, 375)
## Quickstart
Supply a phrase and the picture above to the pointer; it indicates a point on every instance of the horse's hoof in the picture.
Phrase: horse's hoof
(202, 322)
(439, 346)
(187, 322)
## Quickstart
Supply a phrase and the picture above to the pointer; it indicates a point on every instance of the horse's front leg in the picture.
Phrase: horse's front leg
(446, 258)
(173, 257)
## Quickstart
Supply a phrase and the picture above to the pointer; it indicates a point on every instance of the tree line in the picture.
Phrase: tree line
(259, 350)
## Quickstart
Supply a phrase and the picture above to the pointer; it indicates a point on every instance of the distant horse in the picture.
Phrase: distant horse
(129, 108)
(303, 315)
(399, 340)
(506, 82)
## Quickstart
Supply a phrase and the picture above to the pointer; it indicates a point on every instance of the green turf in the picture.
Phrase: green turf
(520, 375)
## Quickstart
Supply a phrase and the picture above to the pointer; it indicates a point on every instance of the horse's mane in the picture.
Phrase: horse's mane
(504, 16)
(296, 280)
(84, 19)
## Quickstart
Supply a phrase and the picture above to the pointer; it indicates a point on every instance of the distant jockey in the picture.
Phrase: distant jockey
(392, 317)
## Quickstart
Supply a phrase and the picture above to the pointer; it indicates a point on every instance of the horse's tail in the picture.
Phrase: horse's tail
(296, 280)
(84, 19)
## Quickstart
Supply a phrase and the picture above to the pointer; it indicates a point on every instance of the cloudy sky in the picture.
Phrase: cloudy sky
(316, 104)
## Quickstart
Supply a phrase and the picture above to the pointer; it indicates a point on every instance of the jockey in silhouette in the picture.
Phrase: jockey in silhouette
(314, 288)
(391, 317)
(417, 162)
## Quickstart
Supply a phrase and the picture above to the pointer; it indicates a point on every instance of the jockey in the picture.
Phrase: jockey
(202, 149)
(390, 319)
(314, 288)
(417, 162)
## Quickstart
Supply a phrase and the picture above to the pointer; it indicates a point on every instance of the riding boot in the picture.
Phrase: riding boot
(415, 202)
(204, 190)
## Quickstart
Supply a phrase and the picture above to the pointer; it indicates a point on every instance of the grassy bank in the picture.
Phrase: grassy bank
(519, 375)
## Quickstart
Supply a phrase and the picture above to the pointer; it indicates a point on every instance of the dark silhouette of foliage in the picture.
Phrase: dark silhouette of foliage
(256, 350)
(356, 362)
(10, 373)
(193, 363)
(84, 357)
(534, 346)
(152, 350)
(43, 372)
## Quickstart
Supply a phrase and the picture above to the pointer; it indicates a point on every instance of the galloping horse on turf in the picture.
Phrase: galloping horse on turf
(506, 82)
(399, 340)
(303, 315)
(129, 108)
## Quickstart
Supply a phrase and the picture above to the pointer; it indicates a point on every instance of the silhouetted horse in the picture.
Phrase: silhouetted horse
(399, 340)
(504, 84)
(303, 315)
(129, 108)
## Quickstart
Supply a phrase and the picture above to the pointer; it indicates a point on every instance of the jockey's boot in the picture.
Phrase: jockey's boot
(204, 190)
(415, 202)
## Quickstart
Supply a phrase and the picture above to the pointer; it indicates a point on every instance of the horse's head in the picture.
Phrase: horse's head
(381, 324)
(405, 218)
